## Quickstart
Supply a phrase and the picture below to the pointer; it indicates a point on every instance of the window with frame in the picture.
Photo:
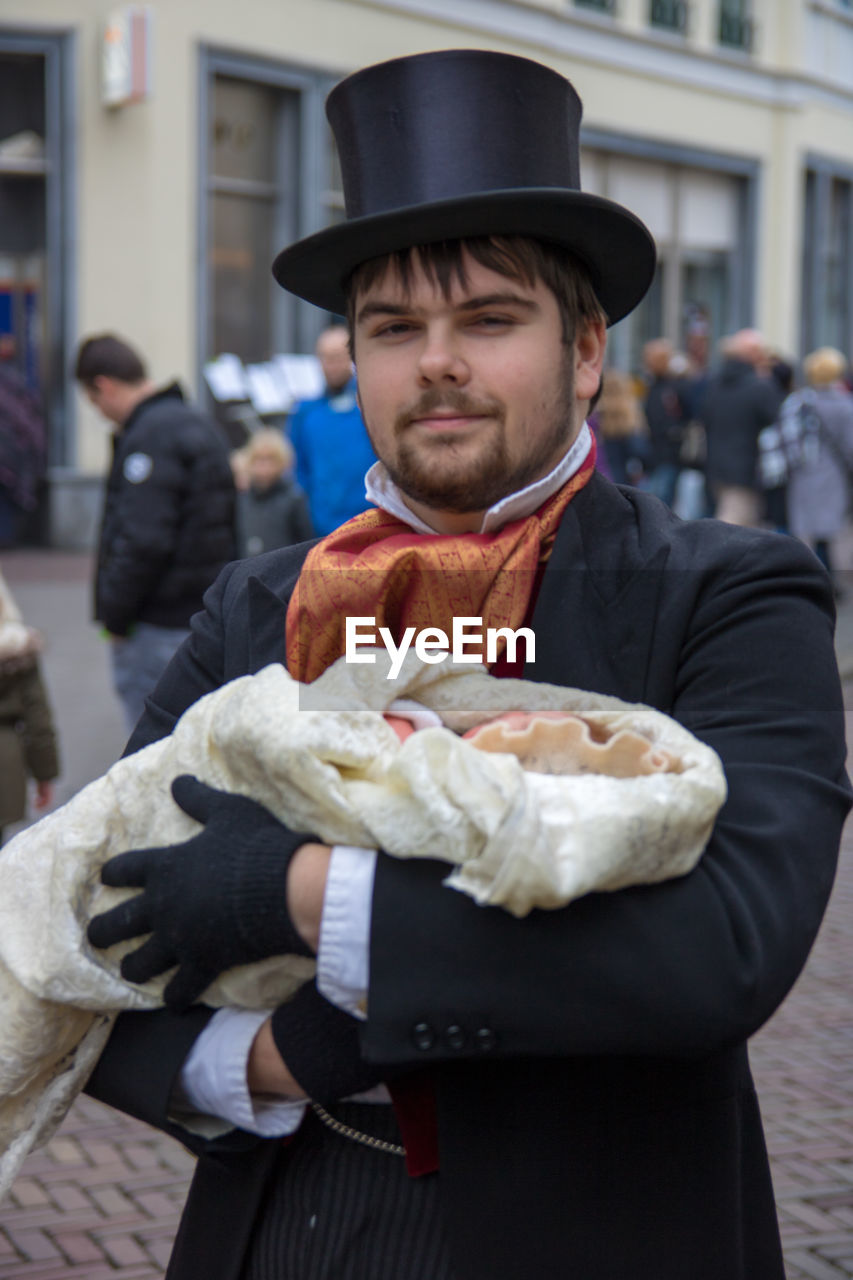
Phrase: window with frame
(828, 261)
(670, 15)
(269, 176)
(244, 188)
(600, 6)
(735, 28)
(23, 211)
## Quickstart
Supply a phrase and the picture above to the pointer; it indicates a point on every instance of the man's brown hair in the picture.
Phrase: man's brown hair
(519, 258)
(106, 356)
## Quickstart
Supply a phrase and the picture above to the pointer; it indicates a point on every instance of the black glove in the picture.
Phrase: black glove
(320, 1047)
(217, 900)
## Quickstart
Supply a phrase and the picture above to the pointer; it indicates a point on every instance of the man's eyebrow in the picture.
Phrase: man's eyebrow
(380, 307)
(498, 300)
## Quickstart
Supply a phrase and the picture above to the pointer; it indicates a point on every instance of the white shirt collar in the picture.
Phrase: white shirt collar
(381, 490)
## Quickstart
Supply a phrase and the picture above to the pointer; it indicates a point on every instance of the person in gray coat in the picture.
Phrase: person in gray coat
(272, 511)
(817, 428)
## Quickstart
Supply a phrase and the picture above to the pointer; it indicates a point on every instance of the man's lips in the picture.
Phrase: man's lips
(453, 421)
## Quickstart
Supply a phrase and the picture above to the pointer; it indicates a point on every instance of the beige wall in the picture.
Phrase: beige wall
(137, 166)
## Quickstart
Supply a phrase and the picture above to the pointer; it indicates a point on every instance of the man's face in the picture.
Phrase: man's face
(468, 398)
(335, 359)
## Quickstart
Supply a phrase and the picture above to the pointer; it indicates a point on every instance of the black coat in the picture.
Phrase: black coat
(168, 522)
(736, 406)
(666, 416)
(596, 1116)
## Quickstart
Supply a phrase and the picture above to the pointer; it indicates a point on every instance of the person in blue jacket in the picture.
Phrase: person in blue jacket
(333, 450)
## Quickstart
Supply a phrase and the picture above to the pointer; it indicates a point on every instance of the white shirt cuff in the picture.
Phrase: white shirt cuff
(343, 957)
(213, 1096)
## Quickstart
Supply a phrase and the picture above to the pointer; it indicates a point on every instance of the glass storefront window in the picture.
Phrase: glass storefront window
(627, 338)
(245, 192)
(705, 292)
(828, 261)
(240, 260)
(837, 268)
(333, 196)
(23, 196)
(242, 134)
(697, 217)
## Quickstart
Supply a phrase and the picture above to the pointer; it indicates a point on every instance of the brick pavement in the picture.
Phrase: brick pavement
(102, 1199)
(803, 1066)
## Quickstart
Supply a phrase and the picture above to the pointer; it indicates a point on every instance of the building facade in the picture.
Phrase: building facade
(153, 158)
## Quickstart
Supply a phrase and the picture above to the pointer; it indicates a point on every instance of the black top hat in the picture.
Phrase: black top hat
(460, 143)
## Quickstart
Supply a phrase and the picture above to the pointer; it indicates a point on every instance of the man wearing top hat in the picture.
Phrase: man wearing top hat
(571, 1091)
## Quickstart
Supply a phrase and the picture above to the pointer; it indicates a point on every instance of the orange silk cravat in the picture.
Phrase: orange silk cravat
(376, 566)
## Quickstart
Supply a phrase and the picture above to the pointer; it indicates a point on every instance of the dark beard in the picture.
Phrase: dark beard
(475, 486)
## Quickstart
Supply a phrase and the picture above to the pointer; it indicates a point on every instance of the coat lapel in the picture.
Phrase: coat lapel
(595, 614)
(267, 617)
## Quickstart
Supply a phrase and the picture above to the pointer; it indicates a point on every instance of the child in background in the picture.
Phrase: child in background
(27, 737)
(272, 511)
(620, 428)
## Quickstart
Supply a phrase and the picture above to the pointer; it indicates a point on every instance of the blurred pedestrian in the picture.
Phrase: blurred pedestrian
(168, 522)
(239, 469)
(619, 424)
(739, 402)
(772, 454)
(333, 451)
(667, 416)
(697, 340)
(817, 427)
(28, 745)
(22, 444)
(272, 510)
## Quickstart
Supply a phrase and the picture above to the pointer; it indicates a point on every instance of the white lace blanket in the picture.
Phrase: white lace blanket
(323, 759)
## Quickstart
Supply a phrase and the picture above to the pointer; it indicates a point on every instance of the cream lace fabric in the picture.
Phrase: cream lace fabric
(323, 759)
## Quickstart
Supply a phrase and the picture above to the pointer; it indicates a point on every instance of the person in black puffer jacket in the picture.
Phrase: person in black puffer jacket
(168, 520)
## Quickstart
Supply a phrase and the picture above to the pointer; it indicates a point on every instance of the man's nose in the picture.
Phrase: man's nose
(442, 361)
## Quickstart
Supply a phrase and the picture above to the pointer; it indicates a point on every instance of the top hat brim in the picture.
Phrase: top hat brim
(616, 247)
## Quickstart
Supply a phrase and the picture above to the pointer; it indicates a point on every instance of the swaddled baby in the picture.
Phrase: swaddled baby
(550, 742)
(322, 758)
